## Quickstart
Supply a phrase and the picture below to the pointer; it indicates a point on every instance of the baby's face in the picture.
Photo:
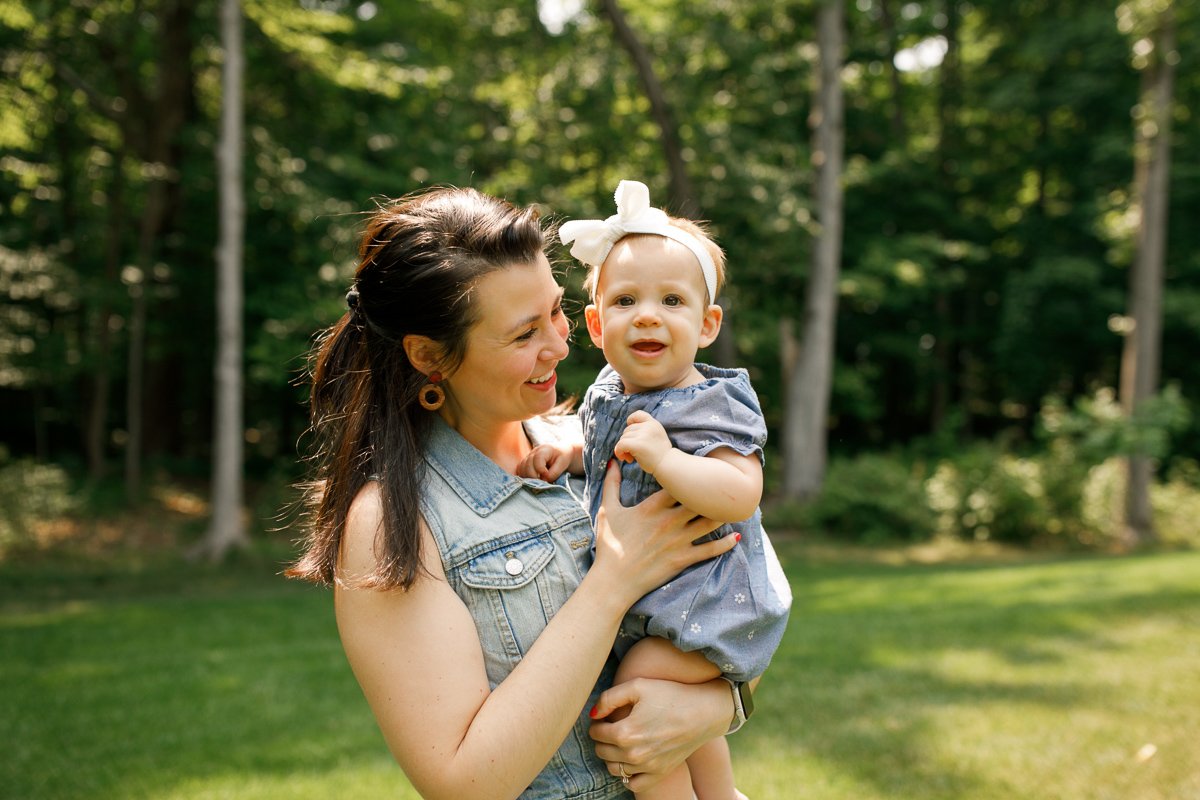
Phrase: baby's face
(651, 312)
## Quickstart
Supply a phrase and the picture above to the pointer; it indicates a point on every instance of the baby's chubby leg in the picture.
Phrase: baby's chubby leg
(708, 772)
(654, 657)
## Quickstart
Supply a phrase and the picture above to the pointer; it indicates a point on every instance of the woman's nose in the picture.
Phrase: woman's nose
(556, 348)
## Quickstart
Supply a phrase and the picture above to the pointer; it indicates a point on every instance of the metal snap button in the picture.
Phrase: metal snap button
(513, 566)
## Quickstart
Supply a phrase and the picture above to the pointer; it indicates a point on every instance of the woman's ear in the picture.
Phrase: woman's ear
(423, 353)
(711, 325)
(591, 315)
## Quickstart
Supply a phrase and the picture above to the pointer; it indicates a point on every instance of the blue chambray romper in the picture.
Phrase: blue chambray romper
(514, 550)
(734, 608)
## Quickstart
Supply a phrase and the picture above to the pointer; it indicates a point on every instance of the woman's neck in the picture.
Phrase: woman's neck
(504, 443)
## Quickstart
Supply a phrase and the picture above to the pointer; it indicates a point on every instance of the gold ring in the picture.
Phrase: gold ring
(624, 777)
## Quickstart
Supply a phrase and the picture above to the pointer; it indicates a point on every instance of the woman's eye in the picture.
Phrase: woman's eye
(525, 337)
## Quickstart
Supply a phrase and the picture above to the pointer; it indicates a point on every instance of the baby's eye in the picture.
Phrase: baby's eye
(672, 300)
(623, 300)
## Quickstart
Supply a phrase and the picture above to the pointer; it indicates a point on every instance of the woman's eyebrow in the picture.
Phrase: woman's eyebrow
(525, 323)
(532, 318)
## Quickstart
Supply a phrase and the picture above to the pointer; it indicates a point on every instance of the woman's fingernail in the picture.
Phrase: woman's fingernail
(737, 537)
(609, 464)
(592, 713)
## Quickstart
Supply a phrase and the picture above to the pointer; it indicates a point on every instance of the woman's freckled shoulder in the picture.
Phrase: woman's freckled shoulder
(363, 522)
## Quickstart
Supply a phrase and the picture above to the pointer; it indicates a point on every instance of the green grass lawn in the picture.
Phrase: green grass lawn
(1074, 677)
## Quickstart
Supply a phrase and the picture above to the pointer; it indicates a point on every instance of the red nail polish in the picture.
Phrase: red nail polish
(737, 537)
(592, 713)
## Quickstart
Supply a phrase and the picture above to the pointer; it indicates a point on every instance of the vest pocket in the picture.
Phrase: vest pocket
(509, 565)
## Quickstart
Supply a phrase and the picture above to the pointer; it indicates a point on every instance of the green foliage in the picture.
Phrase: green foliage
(1083, 464)
(1069, 490)
(988, 494)
(989, 224)
(1097, 428)
(32, 495)
(870, 499)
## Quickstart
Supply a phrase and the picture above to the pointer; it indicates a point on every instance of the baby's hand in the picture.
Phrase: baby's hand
(546, 462)
(644, 440)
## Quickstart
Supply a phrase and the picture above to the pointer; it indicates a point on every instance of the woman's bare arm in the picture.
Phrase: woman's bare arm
(418, 659)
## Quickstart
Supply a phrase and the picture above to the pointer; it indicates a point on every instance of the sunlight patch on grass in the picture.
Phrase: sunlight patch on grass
(996, 680)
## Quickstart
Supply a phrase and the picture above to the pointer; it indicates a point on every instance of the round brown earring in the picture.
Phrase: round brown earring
(432, 396)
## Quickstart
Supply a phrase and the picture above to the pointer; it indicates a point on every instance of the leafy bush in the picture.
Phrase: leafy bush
(1084, 464)
(1175, 503)
(868, 499)
(1070, 490)
(30, 493)
(987, 493)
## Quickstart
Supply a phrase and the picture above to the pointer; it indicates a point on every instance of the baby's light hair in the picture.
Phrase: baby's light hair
(698, 230)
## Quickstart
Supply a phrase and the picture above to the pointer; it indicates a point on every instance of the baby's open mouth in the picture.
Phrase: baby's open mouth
(648, 347)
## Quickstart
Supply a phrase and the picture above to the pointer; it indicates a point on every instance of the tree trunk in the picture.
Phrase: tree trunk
(227, 529)
(152, 124)
(682, 200)
(948, 355)
(1141, 355)
(133, 388)
(101, 379)
(810, 377)
(888, 20)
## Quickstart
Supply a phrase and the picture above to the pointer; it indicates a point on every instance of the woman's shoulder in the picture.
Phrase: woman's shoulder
(364, 520)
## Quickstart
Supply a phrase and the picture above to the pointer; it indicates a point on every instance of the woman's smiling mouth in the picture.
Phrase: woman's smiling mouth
(545, 382)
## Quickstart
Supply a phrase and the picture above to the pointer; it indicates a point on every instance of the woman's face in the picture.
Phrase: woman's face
(520, 335)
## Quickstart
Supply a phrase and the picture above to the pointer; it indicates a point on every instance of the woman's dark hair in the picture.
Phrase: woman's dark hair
(419, 258)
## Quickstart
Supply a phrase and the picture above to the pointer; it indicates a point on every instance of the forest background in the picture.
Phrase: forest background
(991, 229)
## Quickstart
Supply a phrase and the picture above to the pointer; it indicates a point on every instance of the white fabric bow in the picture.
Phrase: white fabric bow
(594, 238)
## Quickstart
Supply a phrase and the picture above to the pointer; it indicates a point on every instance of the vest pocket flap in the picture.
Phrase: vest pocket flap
(509, 566)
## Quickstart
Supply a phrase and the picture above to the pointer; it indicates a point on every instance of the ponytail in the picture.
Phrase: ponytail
(418, 258)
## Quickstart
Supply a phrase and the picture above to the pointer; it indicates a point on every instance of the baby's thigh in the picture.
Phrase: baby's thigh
(655, 657)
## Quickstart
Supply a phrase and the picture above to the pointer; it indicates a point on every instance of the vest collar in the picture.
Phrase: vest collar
(476, 479)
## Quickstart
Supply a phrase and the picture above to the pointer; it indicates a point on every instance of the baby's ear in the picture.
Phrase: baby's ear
(591, 315)
(711, 325)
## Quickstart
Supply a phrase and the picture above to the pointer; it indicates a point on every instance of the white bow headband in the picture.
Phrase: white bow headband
(593, 238)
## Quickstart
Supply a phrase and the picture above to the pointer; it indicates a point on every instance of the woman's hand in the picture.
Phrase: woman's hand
(650, 543)
(667, 722)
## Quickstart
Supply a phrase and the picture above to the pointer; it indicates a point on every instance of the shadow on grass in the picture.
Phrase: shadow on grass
(150, 681)
(129, 683)
(881, 662)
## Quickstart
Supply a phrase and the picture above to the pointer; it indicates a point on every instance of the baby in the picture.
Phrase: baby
(694, 430)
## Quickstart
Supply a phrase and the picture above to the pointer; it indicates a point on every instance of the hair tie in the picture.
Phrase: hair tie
(594, 238)
(352, 301)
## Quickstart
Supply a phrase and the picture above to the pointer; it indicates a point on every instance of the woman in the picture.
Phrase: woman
(471, 608)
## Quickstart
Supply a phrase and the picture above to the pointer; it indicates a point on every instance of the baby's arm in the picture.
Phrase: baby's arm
(548, 461)
(724, 485)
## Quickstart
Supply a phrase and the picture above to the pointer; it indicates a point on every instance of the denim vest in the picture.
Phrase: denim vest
(514, 550)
